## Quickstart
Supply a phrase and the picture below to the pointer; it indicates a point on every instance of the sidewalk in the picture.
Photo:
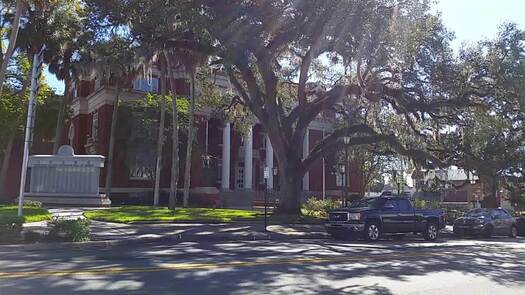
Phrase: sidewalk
(105, 231)
(107, 234)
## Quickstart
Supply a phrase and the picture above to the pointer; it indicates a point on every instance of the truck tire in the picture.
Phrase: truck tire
(372, 231)
(431, 232)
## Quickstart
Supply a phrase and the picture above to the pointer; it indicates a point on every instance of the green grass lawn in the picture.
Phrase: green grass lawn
(126, 214)
(31, 214)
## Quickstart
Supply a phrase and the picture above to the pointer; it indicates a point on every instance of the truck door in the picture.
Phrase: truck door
(407, 219)
(391, 216)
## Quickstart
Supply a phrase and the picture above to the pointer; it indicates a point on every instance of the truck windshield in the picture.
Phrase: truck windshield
(373, 203)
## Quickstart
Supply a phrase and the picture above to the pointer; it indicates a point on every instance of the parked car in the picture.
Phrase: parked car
(386, 215)
(486, 222)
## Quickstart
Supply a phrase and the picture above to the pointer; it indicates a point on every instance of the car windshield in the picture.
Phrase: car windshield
(477, 213)
(373, 203)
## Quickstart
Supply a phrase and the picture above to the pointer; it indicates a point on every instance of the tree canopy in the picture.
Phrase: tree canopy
(382, 71)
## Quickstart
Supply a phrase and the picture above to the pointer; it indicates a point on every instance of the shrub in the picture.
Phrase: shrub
(318, 208)
(35, 204)
(10, 227)
(452, 214)
(423, 204)
(29, 203)
(74, 230)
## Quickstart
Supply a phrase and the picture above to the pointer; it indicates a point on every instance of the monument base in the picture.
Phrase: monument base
(71, 200)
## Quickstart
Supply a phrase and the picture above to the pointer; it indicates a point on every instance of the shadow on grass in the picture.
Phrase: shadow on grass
(127, 214)
(130, 214)
(31, 214)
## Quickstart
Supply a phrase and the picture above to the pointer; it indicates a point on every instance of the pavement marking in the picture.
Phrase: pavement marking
(201, 266)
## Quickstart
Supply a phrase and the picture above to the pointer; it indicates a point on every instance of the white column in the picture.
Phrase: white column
(248, 159)
(306, 150)
(225, 183)
(269, 162)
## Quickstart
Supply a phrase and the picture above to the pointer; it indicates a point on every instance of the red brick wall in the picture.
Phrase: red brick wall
(81, 123)
(316, 172)
(12, 188)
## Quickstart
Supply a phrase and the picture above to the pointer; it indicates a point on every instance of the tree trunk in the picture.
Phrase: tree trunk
(175, 141)
(12, 43)
(189, 145)
(289, 162)
(114, 117)
(290, 191)
(61, 113)
(5, 163)
(160, 139)
(494, 192)
(490, 201)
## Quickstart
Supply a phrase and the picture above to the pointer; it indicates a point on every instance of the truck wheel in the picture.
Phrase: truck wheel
(431, 232)
(513, 231)
(372, 232)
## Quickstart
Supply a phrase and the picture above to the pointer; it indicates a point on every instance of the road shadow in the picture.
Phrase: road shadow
(498, 260)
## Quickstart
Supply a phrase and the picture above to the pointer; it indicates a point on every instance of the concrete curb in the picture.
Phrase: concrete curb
(240, 222)
(194, 238)
(145, 240)
(175, 238)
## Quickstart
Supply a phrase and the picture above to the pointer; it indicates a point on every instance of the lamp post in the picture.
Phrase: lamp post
(267, 175)
(346, 169)
(341, 170)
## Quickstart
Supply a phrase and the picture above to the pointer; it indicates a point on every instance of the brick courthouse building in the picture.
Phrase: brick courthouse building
(226, 165)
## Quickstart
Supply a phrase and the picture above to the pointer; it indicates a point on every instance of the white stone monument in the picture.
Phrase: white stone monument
(66, 179)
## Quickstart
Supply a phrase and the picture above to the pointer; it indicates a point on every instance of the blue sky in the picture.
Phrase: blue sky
(470, 20)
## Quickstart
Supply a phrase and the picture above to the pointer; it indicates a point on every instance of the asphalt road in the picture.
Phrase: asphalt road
(410, 266)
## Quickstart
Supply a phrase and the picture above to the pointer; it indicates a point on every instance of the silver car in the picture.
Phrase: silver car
(486, 222)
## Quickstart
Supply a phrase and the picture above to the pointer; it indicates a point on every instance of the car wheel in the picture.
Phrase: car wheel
(372, 232)
(431, 232)
(513, 231)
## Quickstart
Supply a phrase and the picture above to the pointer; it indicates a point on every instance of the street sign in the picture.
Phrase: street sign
(266, 172)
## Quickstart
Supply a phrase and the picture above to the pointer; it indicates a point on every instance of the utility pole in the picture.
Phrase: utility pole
(266, 177)
(38, 59)
(346, 166)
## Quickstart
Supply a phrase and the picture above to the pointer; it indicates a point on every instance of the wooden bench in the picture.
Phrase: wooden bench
(259, 204)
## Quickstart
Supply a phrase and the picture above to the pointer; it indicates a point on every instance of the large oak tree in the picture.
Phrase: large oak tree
(380, 70)
(358, 58)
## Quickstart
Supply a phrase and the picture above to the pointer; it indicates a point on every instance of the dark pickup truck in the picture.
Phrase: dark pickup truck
(374, 217)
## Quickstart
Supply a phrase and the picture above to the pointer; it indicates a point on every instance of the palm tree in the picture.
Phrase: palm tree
(114, 60)
(193, 60)
(19, 8)
(69, 43)
(174, 137)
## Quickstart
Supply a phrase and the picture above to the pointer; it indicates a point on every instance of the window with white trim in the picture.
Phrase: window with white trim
(146, 85)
